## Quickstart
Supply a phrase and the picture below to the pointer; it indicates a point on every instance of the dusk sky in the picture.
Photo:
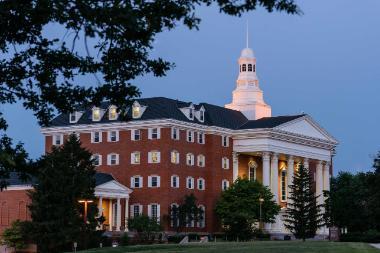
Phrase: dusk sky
(325, 63)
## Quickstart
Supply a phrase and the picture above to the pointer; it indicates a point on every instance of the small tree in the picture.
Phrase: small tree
(185, 214)
(239, 208)
(17, 235)
(64, 176)
(303, 216)
(145, 226)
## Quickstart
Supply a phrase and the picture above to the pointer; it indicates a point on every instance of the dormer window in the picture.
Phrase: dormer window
(112, 113)
(96, 114)
(201, 115)
(73, 117)
(191, 113)
(136, 111)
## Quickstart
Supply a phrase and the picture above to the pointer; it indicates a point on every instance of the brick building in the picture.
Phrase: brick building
(163, 149)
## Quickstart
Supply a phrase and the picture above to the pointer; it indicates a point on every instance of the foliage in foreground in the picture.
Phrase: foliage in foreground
(17, 236)
(145, 226)
(239, 208)
(303, 214)
(65, 176)
(186, 213)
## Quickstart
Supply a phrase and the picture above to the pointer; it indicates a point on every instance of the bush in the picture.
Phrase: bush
(17, 235)
(371, 236)
(145, 226)
(260, 235)
(175, 238)
(124, 239)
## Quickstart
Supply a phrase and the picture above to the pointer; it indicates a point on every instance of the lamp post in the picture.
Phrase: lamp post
(261, 200)
(85, 202)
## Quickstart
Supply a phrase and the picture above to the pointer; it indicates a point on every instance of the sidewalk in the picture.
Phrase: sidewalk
(376, 245)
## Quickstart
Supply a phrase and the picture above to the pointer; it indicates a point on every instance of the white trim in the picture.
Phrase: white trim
(177, 181)
(150, 156)
(190, 135)
(158, 133)
(175, 131)
(203, 140)
(133, 157)
(133, 135)
(203, 184)
(201, 158)
(99, 159)
(109, 112)
(109, 159)
(190, 162)
(174, 154)
(227, 184)
(225, 163)
(192, 183)
(55, 137)
(133, 179)
(93, 137)
(109, 135)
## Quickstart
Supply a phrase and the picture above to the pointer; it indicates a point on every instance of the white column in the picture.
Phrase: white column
(266, 169)
(118, 215)
(126, 214)
(274, 172)
(100, 206)
(326, 176)
(306, 163)
(319, 182)
(290, 174)
(235, 160)
(110, 214)
(266, 178)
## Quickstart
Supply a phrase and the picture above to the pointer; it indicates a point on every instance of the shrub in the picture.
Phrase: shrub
(17, 235)
(371, 236)
(124, 239)
(175, 238)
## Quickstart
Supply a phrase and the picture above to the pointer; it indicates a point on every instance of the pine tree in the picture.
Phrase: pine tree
(303, 215)
(65, 176)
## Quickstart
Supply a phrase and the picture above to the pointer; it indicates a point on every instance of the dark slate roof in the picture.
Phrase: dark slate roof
(166, 108)
(269, 122)
(15, 180)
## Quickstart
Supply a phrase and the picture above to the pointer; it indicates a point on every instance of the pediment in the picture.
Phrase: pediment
(306, 126)
(113, 186)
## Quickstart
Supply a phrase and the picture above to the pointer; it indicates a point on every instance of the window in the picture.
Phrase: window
(190, 136)
(174, 181)
(190, 159)
(201, 160)
(190, 183)
(113, 136)
(97, 159)
(202, 115)
(174, 214)
(136, 111)
(225, 163)
(154, 157)
(74, 117)
(283, 185)
(201, 184)
(154, 181)
(202, 217)
(96, 114)
(136, 182)
(175, 133)
(135, 135)
(113, 159)
(249, 67)
(154, 211)
(252, 165)
(154, 133)
(225, 184)
(136, 210)
(254, 68)
(96, 137)
(112, 113)
(174, 157)
(57, 139)
(191, 113)
(201, 138)
(135, 157)
(244, 68)
(225, 141)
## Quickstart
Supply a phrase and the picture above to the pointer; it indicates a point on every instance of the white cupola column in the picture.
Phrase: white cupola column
(290, 174)
(274, 172)
(319, 182)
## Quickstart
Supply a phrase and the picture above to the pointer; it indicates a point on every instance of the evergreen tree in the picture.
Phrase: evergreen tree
(303, 215)
(374, 195)
(186, 213)
(65, 176)
(239, 208)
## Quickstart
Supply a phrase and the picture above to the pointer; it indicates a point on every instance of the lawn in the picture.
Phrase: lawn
(245, 247)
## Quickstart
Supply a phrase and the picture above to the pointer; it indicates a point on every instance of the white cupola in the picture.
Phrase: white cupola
(248, 97)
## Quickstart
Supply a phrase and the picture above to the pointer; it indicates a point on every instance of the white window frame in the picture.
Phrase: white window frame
(132, 209)
(201, 159)
(174, 157)
(76, 115)
(172, 181)
(191, 112)
(175, 132)
(133, 181)
(151, 156)
(110, 113)
(93, 114)
(109, 136)
(203, 181)
(191, 187)
(150, 181)
(225, 141)
(201, 138)
(136, 108)
(202, 115)
(225, 182)
(133, 134)
(57, 137)
(133, 157)
(93, 137)
(99, 159)
(190, 162)
(189, 135)
(150, 209)
(150, 133)
(225, 163)
(109, 159)
(202, 223)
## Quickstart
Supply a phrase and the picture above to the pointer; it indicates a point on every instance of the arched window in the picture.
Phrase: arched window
(244, 68)
(190, 159)
(249, 67)
(254, 67)
(252, 166)
(283, 185)
(202, 216)
(225, 184)
(174, 215)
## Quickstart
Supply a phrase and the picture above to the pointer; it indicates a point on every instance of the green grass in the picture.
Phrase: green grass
(248, 247)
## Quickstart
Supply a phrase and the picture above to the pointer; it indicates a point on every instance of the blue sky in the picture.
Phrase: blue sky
(324, 63)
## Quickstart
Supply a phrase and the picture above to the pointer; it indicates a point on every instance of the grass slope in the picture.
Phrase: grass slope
(251, 247)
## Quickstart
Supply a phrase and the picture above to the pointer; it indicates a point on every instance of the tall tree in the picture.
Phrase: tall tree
(41, 70)
(374, 194)
(303, 215)
(65, 176)
(239, 207)
(186, 214)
